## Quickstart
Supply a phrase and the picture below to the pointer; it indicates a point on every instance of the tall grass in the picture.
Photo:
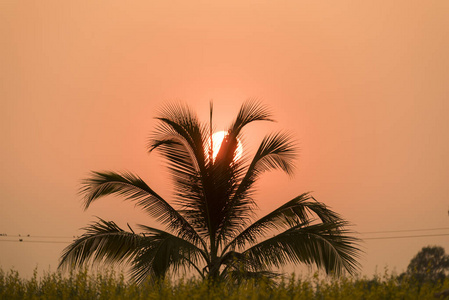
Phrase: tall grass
(111, 285)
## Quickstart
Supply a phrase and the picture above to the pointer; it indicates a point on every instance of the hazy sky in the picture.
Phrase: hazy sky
(362, 85)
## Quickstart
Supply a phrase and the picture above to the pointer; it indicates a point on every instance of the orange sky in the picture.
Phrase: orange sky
(363, 85)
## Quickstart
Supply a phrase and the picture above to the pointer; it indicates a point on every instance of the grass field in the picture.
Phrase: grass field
(110, 285)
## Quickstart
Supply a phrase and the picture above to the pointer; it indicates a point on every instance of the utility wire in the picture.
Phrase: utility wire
(40, 236)
(372, 238)
(366, 232)
(404, 236)
(405, 230)
(26, 241)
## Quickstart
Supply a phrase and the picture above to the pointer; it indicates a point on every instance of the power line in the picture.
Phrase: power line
(366, 232)
(41, 236)
(405, 230)
(27, 241)
(405, 236)
(26, 238)
(372, 238)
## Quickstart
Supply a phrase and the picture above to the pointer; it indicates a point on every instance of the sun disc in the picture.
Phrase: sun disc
(217, 139)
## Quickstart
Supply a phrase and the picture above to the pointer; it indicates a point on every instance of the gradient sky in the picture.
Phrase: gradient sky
(362, 85)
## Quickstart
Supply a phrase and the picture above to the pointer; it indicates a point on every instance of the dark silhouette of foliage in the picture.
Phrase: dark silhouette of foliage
(209, 225)
(431, 264)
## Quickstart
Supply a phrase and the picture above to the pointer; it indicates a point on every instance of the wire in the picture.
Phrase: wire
(372, 238)
(40, 236)
(25, 241)
(404, 236)
(25, 238)
(366, 232)
(405, 230)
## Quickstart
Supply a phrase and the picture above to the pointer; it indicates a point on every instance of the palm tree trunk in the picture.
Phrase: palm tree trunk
(214, 267)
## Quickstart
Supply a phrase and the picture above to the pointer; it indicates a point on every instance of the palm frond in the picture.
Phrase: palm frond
(299, 210)
(178, 157)
(236, 213)
(163, 251)
(252, 110)
(102, 184)
(276, 151)
(103, 242)
(239, 266)
(181, 139)
(326, 245)
(189, 191)
(179, 123)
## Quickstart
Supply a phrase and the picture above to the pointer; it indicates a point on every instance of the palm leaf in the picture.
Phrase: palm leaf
(163, 251)
(102, 184)
(276, 151)
(239, 266)
(297, 211)
(103, 242)
(249, 112)
(178, 122)
(327, 245)
(181, 140)
(252, 110)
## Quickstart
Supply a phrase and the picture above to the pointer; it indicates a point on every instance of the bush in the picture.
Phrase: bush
(108, 284)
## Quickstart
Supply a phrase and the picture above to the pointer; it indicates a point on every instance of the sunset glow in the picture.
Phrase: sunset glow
(217, 138)
(360, 85)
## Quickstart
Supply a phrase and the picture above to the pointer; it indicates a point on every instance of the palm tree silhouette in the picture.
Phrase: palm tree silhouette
(210, 230)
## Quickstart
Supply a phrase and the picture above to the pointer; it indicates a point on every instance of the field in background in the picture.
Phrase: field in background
(110, 285)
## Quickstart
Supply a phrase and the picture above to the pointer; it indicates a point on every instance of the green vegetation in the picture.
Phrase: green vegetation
(210, 227)
(430, 264)
(110, 285)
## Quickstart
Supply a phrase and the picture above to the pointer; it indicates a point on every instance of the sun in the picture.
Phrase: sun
(217, 139)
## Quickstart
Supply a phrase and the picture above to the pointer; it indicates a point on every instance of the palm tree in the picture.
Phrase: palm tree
(210, 230)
